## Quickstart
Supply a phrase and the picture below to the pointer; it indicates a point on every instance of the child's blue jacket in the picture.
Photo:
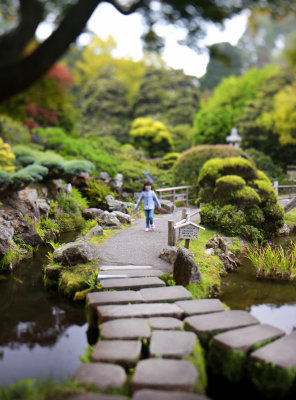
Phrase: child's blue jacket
(149, 197)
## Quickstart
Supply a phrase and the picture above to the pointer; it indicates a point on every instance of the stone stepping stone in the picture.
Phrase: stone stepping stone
(125, 352)
(95, 396)
(165, 323)
(130, 273)
(202, 306)
(207, 325)
(172, 344)
(229, 350)
(104, 376)
(168, 293)
(106, 313)
(147, 394)
(131, 283)
(164, 375)
(277, 361)
(121, 297)
(131, 328)
(124, 267)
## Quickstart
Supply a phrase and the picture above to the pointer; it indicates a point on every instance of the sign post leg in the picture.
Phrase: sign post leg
(187, 243)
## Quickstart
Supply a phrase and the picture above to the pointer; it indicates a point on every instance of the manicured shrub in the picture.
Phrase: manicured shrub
(230, 220)
(169, 160)
(73, 167)
(5, 178)
(251, 234)
(210, 172)
(265, 190)
(187, 167)
(209, 215)
(274, 218)
(31, 173)
(229, 183)
(255, 216)
(246, 197)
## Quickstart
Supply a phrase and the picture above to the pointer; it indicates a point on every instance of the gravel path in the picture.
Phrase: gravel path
(134, 246)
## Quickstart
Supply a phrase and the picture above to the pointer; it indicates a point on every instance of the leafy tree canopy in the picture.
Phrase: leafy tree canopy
(19, 70)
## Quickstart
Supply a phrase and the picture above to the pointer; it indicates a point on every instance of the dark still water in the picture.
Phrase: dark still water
(272, 302)
(41, 335)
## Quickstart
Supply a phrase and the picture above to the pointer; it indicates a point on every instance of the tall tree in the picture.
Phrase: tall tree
(19, 71)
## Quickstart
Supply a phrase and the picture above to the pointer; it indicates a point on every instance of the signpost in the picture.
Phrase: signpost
(188, 229)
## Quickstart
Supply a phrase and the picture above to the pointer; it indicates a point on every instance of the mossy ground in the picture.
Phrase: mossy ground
(290, 219)
(210, 267)
(198, 360)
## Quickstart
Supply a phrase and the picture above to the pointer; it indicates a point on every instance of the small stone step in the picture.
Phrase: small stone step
(164, 375)
(131, 283)
(125, 352)
(104, 376)
(124, 329)
(124, 267)
(168, 293)
(228, 351)
(147, 394)
(172, 344)
(207, 325)
(202, 306)
(165, 323)
(121, 297)
(95, 396)
(130, 273)
(106, 313)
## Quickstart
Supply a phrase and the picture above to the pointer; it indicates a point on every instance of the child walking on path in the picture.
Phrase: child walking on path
(150, 198)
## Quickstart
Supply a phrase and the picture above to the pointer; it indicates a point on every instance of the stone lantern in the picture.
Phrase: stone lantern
(234, 138)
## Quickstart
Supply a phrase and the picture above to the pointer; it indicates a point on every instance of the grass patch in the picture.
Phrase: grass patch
(290, 219)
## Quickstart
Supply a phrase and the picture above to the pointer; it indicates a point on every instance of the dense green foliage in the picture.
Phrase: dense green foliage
(187, 167)
(239, 199)
(6, 157)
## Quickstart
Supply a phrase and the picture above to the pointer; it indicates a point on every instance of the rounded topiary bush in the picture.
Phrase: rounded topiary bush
(243, 198)
(187, 167)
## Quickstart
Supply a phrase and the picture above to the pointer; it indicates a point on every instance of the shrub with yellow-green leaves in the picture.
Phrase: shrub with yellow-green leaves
(240, 199)
(6, 157)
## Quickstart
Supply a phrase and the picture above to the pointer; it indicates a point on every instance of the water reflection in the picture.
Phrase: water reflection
(41, 334)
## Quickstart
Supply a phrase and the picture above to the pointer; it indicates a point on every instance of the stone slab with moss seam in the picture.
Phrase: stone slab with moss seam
(168, 293)
(104, 376)
(125, 352)
(147, 394)
(121, 297)
(124, 267)
(207, 325)
(131, 273)
(273, 368)
(165, 375)
(228, 355)
(131, 283)
(165, 323)
(202, 306)
(95, 396)
(106, 313)
(130, 328)
(172, 344)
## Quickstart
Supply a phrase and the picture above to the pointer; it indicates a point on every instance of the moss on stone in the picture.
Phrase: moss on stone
(273, 382)
(73, 279)
(197, 358)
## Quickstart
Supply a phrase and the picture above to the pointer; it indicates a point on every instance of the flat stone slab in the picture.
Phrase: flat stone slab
(131, 283)
(172, 344)
(165, 323)
(121, 297)
(281, 353)
(123, 267)
(130, 328)
(103, 375)
(243, 339)
(168, 293)
(165, 375)
(124, 352)
(106, 313)
(202, 306)
(220, 321)
(130, 273)
(94, 396)
(147, 394)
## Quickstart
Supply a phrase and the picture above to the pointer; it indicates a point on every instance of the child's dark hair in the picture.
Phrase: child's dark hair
(147, 184)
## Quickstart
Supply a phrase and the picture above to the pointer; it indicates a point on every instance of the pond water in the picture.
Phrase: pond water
(272, 302)
(41, 335)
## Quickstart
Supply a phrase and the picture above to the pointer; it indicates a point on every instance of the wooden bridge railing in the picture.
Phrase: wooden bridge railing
(178, 194)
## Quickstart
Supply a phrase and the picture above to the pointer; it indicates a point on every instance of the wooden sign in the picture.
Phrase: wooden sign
(189, 232)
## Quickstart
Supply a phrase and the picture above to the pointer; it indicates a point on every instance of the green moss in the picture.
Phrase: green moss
(197, 358)
(227, 362)
(273, 382)
(74, 279)
(12, 257)
(50, 283)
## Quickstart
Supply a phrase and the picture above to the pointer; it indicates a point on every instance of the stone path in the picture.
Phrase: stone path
(149, 344)
(134, 246)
